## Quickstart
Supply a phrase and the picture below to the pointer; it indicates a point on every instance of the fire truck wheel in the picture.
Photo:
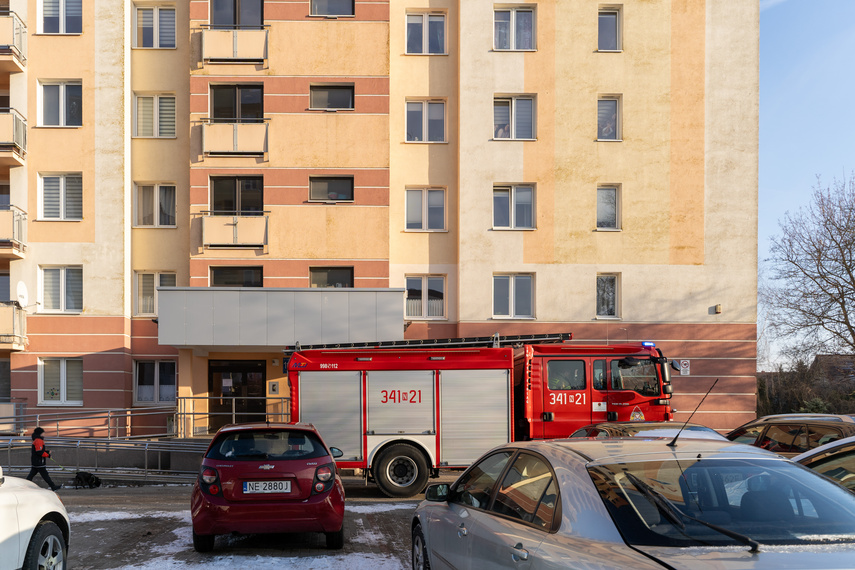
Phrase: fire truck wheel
(401, 471)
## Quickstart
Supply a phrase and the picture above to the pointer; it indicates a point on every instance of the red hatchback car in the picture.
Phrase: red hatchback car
(267, 478)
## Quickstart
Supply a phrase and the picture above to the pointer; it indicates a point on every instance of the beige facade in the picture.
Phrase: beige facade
(414, 145)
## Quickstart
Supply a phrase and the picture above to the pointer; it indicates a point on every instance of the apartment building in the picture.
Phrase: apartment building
(191, 186)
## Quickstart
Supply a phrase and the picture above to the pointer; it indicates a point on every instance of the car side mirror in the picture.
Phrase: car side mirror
(437, 493)
(336, 452)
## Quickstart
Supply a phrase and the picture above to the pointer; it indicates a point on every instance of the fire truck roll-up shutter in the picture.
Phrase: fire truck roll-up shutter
(332, 401)
(400, 402)
(475, 414)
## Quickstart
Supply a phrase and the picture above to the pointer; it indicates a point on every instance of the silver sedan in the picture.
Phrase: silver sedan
(629, 503)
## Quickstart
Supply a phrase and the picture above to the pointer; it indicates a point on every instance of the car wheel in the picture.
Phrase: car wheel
(203, 542)
(46, 549)
(401, 471)
(335, 540)
(420, 555)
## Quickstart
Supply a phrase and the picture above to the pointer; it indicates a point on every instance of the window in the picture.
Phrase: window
(61, 381)
(607, 295)
(513, 29)
(513, 207)
(237, 14)
(513, 296)
(236, 277)
(426, 33)
(237, 196)
(62, 289)
(331, 97)
(5, 380)
(237, 103)
(425, 117)
(155, 116)
(62, 197)
(425, 296)
(147, 284)
(155, 381)
(513, 118)
(608, 212)
(333, 8)
(155, 205)
(528, 493)
(609, 30)
(331, 188)
(608, 119)
(331, 276)
(425, 209)
(566, 374)
(475, 487)
(62, 104)
(155, 27)
(62, 16)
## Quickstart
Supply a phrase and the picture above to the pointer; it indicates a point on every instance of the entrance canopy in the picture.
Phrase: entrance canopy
(252, 319)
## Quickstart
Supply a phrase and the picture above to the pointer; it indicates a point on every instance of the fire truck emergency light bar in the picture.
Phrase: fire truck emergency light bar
(494, 341)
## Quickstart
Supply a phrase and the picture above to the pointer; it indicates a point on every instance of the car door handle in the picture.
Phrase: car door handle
(519, 553)
(461, 530)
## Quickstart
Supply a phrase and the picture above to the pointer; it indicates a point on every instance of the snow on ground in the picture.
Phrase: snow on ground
(163, 558)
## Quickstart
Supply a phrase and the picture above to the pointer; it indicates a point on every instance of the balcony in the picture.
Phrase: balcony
(234, 46)
(13, 326)
(13, 137)
(13, 43)
(13, 233)
(234, 138)
(220, 231)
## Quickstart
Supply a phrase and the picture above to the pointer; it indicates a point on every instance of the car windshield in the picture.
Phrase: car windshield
(771, 501)
(267, 444)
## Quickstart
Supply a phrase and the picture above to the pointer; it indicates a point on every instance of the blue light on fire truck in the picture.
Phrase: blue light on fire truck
(648, 343)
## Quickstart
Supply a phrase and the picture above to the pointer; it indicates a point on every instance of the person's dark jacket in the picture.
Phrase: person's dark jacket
(39, 453)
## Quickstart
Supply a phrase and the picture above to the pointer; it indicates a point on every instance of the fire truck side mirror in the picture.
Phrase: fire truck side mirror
(668, 389)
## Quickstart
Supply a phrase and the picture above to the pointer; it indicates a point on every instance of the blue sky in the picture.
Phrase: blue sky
(807, 103)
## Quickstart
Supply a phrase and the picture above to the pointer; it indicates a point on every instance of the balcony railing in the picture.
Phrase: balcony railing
(247, 138)
(13, 326)
(234, 46)
(13, 41)
(219, 230)
(13, 232)
(13, 137)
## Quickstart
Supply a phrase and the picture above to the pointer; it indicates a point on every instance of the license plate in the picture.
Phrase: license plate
(266, 487)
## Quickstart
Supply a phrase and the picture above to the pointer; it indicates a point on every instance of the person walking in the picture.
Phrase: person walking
(37, 459)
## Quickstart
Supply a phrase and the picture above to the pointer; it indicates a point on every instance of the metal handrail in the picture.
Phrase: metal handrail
(190, 422)
(110, 420)
(122, 454)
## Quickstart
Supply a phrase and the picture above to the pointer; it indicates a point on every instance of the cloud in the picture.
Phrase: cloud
(767, 4)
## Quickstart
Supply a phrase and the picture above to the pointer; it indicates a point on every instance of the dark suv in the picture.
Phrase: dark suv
(792, 434)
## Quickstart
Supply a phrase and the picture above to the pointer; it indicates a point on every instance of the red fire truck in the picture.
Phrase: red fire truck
(401, 413)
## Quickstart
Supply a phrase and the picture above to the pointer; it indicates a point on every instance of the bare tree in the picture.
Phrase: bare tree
(811, 297)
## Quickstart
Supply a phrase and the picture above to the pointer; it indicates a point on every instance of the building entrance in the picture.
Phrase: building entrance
(236, 388)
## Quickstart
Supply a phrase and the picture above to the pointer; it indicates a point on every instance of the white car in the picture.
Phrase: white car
(35, 529)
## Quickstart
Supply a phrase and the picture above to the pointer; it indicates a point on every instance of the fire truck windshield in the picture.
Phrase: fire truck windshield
(635, 374)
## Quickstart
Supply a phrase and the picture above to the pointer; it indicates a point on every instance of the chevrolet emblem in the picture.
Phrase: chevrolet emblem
(266, 466)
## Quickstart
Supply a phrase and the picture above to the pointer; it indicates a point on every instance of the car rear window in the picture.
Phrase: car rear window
(267, 444)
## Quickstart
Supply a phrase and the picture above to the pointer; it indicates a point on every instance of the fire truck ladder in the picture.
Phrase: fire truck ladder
(494, 341)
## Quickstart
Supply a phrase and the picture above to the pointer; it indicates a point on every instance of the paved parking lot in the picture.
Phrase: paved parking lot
(149, 527)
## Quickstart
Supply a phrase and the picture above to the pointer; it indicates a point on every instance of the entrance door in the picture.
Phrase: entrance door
(236, 388)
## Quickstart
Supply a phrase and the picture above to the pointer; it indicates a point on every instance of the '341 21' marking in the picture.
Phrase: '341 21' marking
(400, 396)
